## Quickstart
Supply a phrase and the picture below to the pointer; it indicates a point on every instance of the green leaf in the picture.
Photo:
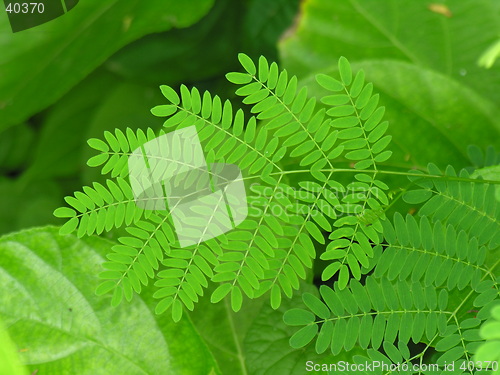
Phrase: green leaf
(275, 296)
(325, 337)
(488, 352)
(417, 196)
(247, 63)
(269, 330)
(59, 310)
(303, 336)
(316, 306)
(219, 293)
(236, 298)
(448, 343)
(490, 173)
(329, 82)
(239, 78)
(69, 226)
(435, 89)
(64, 212)
(97, 160)
(440, 53)
(338, 99)
(98, 144)
(58, 143)
(345, 71)
(343, 276)
(164, 110)
(10, 364)
(42, 79)
(298, 317)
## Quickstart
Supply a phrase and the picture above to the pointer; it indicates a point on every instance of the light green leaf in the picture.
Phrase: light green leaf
(303, 336)
(345, 71)
(417, 196)
(247, 63)
(329, 83)
(488, 58)
(47, 285)
(316, 305)
(343, 276)
(298, 317)
(239, 78)
(10, 364)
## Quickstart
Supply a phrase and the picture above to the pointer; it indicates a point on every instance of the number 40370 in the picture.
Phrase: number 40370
(25, 8)
(479, 365)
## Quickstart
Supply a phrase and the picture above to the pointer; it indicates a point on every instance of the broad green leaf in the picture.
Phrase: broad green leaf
(224, 330)
(316, 305)
(10, 364)
(53, 314)
(366, 29)
(269, 331)
(438, 99)
(427, 112)
(40, 64)
(264, 24)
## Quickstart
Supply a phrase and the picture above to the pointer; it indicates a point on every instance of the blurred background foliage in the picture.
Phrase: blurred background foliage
(99, 67)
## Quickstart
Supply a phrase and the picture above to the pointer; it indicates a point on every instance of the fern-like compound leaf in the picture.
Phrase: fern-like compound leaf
(369, 315)
(419, 263)
(434, 254)
(469, 206)
(99, 208)
(244, 256)
(273, 249)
